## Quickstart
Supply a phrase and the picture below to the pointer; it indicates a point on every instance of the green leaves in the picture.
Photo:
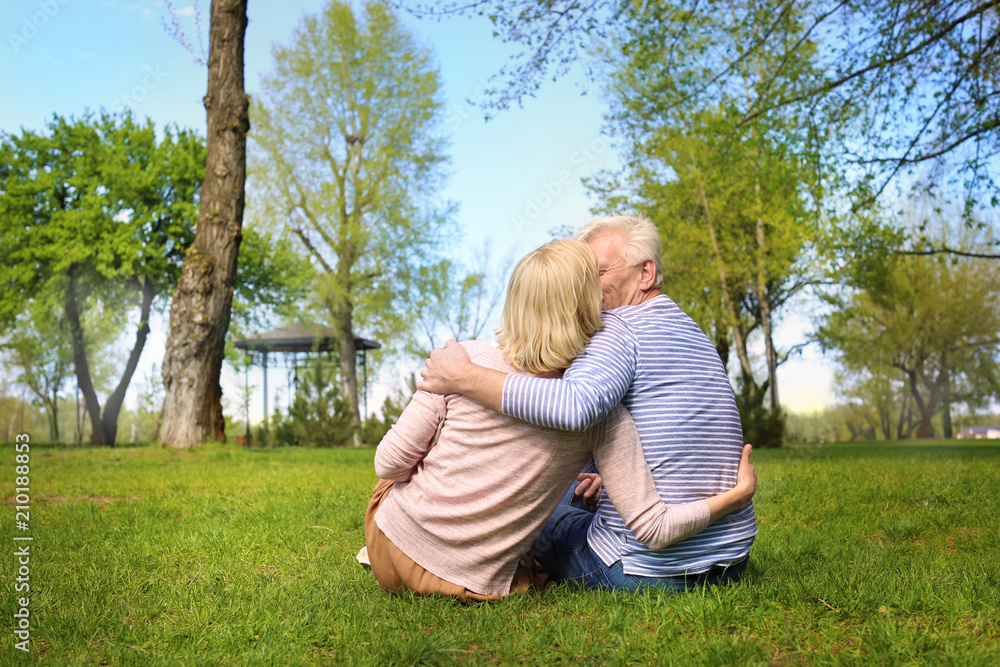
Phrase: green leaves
(100, 194)
(925, 325)
(271, 278)
(346, 155)
(737, 203)
(96, 216)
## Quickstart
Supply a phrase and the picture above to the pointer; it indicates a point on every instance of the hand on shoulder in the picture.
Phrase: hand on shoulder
(445, 369)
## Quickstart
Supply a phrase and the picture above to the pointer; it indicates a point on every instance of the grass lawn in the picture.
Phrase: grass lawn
(882, 554)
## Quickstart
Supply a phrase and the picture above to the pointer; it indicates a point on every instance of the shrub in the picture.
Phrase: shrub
(375, 428)
(319, 416)
(761, 427)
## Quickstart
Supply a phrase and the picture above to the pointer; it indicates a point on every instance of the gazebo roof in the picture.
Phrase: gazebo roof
(301, 337)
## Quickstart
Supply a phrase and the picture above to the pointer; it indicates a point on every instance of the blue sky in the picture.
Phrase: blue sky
(67, 56)
(514, 177)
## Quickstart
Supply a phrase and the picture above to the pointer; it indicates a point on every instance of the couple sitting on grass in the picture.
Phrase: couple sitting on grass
(475, 472)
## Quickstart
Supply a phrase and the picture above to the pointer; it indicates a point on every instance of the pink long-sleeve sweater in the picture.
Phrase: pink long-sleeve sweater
(475, 487)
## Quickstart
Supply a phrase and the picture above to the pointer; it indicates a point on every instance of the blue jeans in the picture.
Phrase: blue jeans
(563, 550)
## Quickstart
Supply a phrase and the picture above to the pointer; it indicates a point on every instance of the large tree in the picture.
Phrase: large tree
(347, 152)
(39, 346)
(736, 203)
(96, 216)
(929, 323)
(200, 312)
(95, 213)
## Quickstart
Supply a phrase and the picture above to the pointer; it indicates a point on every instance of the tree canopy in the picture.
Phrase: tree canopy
(96, 209)
(96, 215)
(927, 326)
(915, 84)
(737, 204)
(347, 154)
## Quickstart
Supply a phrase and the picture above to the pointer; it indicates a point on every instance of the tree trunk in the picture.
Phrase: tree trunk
(926, 428)
(109, 420)
(348, 367)
(765, 311)
(734, 320)
(722, 347)
(885, 420)
(343, 310)
(762, 297)
(53, 410)
(78, 423)
(80, 365)
(199, 315)
(104, 428)
(946, 406)
(903, 427)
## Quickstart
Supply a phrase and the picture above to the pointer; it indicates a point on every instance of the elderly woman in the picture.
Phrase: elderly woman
(464, 490)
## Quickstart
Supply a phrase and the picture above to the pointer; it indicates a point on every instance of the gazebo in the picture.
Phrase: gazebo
(304, 337)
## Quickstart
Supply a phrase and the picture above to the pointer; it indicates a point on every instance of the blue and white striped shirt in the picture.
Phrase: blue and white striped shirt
(655, 360)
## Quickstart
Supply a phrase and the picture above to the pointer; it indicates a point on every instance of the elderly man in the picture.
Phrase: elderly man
(655, 360)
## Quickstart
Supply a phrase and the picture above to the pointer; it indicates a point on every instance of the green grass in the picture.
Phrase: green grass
(867, 554)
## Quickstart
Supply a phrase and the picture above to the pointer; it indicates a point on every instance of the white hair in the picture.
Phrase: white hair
(641, 241)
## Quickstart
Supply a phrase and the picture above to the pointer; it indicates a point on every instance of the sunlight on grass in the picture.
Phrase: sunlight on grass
(874, 554)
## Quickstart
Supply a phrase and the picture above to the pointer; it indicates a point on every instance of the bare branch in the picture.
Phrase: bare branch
(878, 65)
(945, 250)
(175, 30)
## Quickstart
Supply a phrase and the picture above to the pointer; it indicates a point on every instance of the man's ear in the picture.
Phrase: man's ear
(647, 275)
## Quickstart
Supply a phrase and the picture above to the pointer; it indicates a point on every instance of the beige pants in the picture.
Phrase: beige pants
(395, 571)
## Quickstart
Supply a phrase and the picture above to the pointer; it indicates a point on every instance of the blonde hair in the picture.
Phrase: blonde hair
(553, 307)
(640, 239)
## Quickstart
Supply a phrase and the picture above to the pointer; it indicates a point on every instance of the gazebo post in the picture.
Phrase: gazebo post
(288, 382)
(264, 357)
(302, 337)
(364, 372)
(246, 392)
